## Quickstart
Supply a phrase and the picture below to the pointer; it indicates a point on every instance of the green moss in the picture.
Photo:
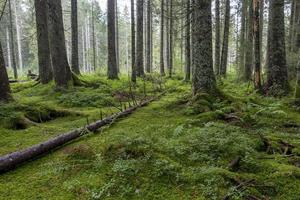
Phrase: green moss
(159, 152)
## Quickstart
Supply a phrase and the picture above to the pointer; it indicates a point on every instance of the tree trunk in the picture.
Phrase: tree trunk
(140, 39)
(218, 38)
(297, 90)
(148, 38)
(4, 82)
(111, 35)
(94, 37)
(171, 38)
(12, 44)
(277, 78)
(11, 161)
(18, 34)
(162, 23)
(74, 26)
(203, 73)
(45, 68)
(261, 28)
(61, 69)
(188, 42)
(292, 26)
(133, 71)
(257, 44)
(167, 35)
(249, 44)
(243, 39)
(224, 56)
(117, 35)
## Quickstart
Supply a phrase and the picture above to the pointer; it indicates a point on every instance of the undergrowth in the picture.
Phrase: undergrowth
(235, 146)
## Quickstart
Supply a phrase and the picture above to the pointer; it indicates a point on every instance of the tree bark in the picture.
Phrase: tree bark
(203, 73)
(243, 39)
(249, 44)
(45, 68)
(74, 26)
(140, 39)
(4, 82)
(133, 70)
(111, 35)
(188, 42)
(162, 39)
(218, 38)
(257, 44)
(277, 77)
(148, 38)
(171, 38)
(12, 45)
(61, 69)
(224, 56)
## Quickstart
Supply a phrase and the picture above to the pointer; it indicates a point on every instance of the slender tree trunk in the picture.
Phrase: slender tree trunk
(292, 25)
(203, 76)
(224, 57)
(61, 69)
(218, 38)
(297, 90)
(133, 70)
(18, 34)
(74, 26)
(167, 34)
(140, 39)
(12, 45)
(257, 44)
(8, 48)
(148, 38)
(188, 42)
(243, 39)
(4, 82)
(94, 37)
(277, 77)
(117, 35)
(249, 47)
(45, 68)
(111, 35)
(171, 38)
(261, 28)
(162, 23)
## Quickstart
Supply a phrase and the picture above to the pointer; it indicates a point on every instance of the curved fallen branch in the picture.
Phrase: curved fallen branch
(10, 161)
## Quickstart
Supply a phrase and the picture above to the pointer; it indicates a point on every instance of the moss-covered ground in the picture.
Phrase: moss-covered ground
(178, 147)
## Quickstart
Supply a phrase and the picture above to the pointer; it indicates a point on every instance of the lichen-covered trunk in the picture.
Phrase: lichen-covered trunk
(188, 42)
(74, 26)
(218, 38)
(249, 44)
(139, 38)
(45, 68)
(257, 44)
(224, 57)
(133, 69)
(162, 46)
(203, 73)
(61, 69)
(112, 68)
(4, 82)
(277, 76)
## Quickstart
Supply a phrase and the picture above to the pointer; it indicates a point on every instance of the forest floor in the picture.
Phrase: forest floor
(242, 146)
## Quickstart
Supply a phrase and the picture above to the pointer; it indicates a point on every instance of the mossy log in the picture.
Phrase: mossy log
(11, 161)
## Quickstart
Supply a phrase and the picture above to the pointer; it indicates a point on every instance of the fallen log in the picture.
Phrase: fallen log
(12, 160)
